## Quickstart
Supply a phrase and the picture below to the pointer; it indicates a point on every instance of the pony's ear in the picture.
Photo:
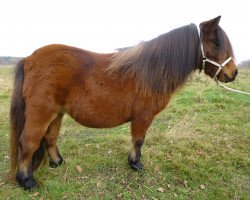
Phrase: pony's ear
(211, 25)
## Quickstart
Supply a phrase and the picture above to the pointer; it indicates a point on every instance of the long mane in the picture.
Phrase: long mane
(162, 64)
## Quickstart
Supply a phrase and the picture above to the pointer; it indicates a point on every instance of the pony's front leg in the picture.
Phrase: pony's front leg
(139, 127)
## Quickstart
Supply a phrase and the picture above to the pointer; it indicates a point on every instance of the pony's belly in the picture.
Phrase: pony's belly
(101, 121)
(100, 116)
(101, 124)
(101, 107)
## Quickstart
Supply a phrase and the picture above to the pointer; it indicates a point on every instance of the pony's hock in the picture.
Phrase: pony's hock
(106, 90)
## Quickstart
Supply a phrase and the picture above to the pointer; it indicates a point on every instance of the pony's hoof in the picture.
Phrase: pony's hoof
(26, 183)
(138, 166)
(56, 164)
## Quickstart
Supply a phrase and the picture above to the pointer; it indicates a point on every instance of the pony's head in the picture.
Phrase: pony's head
(217, 53)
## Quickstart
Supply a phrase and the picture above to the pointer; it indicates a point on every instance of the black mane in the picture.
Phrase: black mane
(162, 64)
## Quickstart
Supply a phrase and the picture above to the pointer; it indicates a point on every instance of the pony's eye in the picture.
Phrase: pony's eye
(214, 44)
(217, 43)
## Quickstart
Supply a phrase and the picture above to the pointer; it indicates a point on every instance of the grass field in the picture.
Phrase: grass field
(197, 148)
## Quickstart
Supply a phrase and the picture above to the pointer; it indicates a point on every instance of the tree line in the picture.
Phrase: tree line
(245, 64)
(9, 60)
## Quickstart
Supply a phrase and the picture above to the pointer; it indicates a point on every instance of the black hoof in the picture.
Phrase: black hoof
(56, 164)
(137, 165)
(26, 183)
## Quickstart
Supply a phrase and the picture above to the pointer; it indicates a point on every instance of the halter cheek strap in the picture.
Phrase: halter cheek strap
(205, 59)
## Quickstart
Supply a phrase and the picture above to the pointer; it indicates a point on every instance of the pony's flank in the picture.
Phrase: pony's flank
(162, 64)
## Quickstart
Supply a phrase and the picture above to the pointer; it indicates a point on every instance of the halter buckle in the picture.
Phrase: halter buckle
(203, 63)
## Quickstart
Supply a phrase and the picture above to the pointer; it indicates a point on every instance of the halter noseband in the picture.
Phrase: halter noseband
(205, 59)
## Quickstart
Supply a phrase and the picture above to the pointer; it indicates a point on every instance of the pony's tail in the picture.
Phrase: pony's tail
(17, 120)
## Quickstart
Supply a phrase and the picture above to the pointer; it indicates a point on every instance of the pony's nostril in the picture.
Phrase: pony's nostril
(236, 72)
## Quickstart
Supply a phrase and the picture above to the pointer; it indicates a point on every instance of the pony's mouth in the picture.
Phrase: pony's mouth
(228, 79)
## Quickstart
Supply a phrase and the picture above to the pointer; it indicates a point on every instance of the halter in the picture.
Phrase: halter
(205, 59)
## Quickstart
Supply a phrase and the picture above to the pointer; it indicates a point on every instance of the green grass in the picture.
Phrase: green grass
(197, 148)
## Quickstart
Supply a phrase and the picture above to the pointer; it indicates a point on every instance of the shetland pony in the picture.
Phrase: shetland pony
(105, 90)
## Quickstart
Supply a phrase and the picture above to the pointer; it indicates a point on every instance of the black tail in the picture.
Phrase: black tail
(17, 120)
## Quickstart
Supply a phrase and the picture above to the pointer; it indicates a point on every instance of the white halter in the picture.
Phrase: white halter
(205, 59)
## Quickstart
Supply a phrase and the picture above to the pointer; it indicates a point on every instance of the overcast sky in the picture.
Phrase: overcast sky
(104, 25)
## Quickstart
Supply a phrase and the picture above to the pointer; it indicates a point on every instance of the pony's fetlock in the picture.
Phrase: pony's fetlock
(135, 165)
(55, 164)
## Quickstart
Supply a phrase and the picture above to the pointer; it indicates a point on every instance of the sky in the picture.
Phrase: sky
(104, 25)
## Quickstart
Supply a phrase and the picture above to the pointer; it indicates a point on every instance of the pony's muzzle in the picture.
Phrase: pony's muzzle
(228, 79)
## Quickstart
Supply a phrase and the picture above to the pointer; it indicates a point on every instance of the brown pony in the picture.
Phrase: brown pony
(105, 90)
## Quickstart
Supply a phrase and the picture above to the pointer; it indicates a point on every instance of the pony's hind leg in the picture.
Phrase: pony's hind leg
(139, 127)
(51, 136)
(37, 120)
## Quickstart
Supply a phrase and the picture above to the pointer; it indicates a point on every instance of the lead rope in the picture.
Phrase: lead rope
(205, 59)
(231, 89)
